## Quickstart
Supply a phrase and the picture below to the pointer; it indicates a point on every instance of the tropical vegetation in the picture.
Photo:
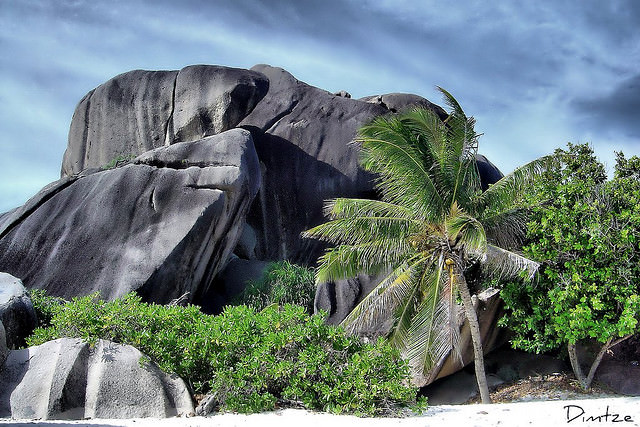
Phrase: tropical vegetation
(249, 361)
(432, 225)
(281, 283)
(585, 231)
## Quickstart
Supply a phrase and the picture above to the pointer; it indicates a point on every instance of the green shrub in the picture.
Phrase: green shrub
(282, 283)
(119, 161)
(584, 231)
(250, 361)
(45, 306)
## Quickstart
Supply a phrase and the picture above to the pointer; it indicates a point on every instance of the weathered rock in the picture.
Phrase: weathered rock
(489, 173)
(210, 100)
(302, 136)
(398, 102)
(621, 377)
(4, 350)
(457, 388)
(141, 110)
(162, 225)
(620, 367)
(338, 298)
(70, 379)
(16, 311)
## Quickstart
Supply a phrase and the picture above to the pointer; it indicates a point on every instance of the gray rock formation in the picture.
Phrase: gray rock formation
(70, 379)
(398, 102)
(302, 136)
(162, 225)
(4, 350)
(141, 110)
(16, 311)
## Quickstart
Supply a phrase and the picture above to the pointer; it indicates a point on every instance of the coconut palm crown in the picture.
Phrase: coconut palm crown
(432, 223)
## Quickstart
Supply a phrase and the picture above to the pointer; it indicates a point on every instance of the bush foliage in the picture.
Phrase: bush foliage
(249, 361)
(282, 283)
(585, 230)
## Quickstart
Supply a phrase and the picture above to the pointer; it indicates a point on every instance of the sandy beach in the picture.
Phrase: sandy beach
(621, 411)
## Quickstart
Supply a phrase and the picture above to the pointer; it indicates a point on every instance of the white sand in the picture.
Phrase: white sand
(618, 411)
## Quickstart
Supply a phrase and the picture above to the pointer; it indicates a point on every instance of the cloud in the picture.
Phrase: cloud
(616, 112)
(539, 73)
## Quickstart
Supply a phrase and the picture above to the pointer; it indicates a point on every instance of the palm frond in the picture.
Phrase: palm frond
(385, 298)
(466, 231)
(434, 331)
(360, 230)
(389, 149)
(462, 141)
(508, 192)
(506, 229)
(504, 264)
(345, 261)
(346, 207)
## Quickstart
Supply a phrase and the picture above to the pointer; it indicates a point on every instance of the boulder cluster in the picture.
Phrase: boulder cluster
(178, 183)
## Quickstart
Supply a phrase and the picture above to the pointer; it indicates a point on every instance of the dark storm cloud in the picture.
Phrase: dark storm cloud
(618, 110)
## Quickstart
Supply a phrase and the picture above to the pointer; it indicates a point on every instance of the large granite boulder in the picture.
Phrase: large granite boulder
(162, 225)
(16, 311)
(302, 137)
(71, 379)
(141, 110)
(301, 134)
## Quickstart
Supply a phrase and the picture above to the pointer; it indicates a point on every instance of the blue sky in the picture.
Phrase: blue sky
(534, 74)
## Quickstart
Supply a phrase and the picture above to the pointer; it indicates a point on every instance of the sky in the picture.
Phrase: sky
(535, 75)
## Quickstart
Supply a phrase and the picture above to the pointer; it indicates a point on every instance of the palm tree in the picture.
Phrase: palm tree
(433, 223)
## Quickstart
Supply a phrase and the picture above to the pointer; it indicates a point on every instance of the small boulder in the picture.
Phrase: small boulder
(16, 311)
(69, 379)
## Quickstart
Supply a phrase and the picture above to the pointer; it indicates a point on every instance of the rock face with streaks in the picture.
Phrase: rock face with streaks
(4, 350)
(303, 137)
(70, 379)
(162, 225)
(141, 110)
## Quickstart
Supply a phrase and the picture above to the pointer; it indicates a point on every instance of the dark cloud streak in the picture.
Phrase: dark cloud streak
(618, 111)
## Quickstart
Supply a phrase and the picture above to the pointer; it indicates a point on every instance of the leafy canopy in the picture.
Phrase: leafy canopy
(586, 231)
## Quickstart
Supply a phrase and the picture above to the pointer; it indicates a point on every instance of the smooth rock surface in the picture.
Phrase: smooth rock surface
(137, 111)
(621, 377)
(70, 379)
(4, 350)
(302, 137)
(16, 311)
(212, 99)
(162, 225)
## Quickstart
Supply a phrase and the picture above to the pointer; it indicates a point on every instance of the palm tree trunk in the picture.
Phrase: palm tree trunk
(476, 339)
